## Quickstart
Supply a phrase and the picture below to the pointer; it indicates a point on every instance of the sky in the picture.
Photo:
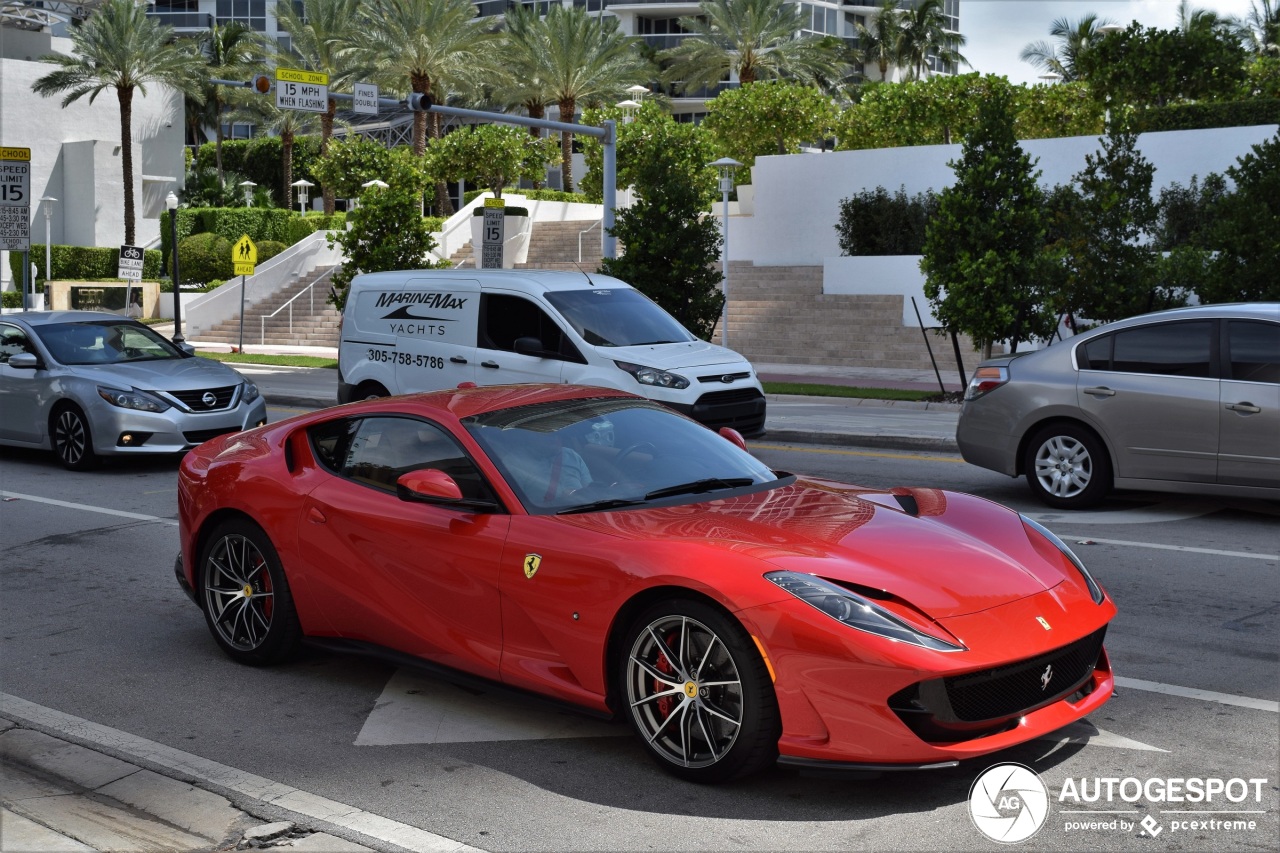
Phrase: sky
(998, 30)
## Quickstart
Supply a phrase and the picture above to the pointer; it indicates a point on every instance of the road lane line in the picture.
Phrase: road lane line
(247, 784)
(1195, 693)
(827, 451)
(1215, 552)
(137, 516)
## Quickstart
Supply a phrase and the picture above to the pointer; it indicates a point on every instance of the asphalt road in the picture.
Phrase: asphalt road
(94, 626)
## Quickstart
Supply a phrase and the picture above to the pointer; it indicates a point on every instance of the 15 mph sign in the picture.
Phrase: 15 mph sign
(15, 199)
(302, 90)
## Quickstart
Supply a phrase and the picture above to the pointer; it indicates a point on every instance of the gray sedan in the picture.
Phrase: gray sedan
(88, 384)
(1178, 401)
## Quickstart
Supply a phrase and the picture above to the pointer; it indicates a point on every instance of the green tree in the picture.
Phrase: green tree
(983, 259)
(1072, 40)
(776, 117)
(118, 47)
(925, 34)
(878, 44)
(386, 231)
(233, 51)
(671, 245)
(1260, 29)
(873, 222)
(352, 162)
(752, 40)
(287, 125)
(1150, 67)
(525, 44)
(427, 47)
(1245, 229)
(492, 155)
(320, 39)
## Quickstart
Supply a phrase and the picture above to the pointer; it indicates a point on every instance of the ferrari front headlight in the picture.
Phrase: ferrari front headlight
(855, 611)
(1095, 591)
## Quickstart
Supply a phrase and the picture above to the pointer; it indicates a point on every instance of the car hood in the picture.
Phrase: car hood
(677, 356)
(945, 553)
(186, 374)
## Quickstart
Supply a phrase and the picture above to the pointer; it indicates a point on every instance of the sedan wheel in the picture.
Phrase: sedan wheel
(1067, 467)
(72, 440)
(246, 597)
(698, 693)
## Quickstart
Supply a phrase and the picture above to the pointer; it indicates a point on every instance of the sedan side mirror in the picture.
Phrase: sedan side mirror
(24, 361)
(187, 348)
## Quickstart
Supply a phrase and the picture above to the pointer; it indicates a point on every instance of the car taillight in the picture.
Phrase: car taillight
(985, 380)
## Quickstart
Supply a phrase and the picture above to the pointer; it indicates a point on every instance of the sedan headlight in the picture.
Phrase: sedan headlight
(653, 376)
(855, 611)
(251, 392)
(132, 399)
(1095, 591)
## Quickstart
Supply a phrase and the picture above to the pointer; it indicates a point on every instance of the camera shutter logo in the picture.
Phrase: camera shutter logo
(1009, 803)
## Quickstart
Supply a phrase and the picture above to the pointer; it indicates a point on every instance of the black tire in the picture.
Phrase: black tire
(245, 596)
(368, 391)
(710, 714)
(1067, 466)
(72, 439)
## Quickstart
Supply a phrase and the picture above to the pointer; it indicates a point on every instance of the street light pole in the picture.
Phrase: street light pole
(48, 255)
(727, 166)
(304, 189)
(171, 202)
(247, 187)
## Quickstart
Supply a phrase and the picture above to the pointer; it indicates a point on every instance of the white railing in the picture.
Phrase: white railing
(309, 291)
(584, 232)
(223, 304)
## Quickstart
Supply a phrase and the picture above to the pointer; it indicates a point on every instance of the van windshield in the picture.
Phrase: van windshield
(617, 317)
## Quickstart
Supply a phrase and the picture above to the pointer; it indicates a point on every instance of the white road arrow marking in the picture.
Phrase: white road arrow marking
(418, 709)
(1085, 732)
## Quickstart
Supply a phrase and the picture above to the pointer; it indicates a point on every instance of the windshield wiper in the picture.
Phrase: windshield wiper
(699, 486)
(608, 503)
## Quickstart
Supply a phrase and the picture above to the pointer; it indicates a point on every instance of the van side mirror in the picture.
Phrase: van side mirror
(530, 346)
(24, 361)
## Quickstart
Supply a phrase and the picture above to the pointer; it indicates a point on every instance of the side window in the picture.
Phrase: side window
(503, 319)
(13, 341)
(1096, 354)
(382, 449)
(1255, 351)
(329, 442)
(1168, 349)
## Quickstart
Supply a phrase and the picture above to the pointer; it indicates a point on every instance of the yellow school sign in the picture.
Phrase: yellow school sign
(244, 255)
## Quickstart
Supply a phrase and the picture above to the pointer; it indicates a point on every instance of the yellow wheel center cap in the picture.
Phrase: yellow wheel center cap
(248, 591)
(691, 689)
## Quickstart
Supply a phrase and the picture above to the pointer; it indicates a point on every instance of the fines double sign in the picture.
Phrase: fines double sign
(15, 199)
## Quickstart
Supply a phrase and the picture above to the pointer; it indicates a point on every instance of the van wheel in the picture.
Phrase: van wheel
(369, 391)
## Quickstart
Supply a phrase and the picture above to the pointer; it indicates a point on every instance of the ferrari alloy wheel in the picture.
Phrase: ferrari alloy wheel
(698, 693)
(245, 595)
(1067, 467)
(72, 440)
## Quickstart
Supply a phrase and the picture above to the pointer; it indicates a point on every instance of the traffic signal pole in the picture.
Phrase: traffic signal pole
(607, 133)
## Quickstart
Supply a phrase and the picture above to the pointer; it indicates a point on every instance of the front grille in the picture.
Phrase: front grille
(726, 378)
(199, 436)
(194, 400)
(975, 704)
(742, 409)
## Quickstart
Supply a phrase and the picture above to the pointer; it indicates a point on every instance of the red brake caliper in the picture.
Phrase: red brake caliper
(664, 666)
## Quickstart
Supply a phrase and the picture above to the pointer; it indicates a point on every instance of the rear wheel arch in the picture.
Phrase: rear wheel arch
(207, 527)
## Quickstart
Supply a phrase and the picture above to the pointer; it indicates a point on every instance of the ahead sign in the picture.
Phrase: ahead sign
(302, 90)
(130, 264)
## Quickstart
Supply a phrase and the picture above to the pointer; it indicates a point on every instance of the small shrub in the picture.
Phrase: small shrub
(873, 222)
(204, 257)
(268, 249)
(11, 299)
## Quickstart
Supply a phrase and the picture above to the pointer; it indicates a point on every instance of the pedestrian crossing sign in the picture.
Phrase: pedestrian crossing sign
(244, 256)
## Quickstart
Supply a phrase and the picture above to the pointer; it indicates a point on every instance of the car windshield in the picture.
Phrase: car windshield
(617, 317)
(106, 342)
(585, 455)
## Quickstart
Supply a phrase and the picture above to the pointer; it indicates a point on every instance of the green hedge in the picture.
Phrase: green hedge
(262, 224)
(261, 160)
(301, 227)
(532, 195)
(506, 211)
(81, 263)
(1247, 113)
(205, 257)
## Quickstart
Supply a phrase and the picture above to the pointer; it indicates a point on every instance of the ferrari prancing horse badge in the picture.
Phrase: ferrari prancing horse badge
(531, 563)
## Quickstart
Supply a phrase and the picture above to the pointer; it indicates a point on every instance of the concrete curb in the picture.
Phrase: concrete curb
(843, 439)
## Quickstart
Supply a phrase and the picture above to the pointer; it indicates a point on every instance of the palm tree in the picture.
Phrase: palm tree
(119, 47)
(879, 42)
(233, 51)
(523, 86)
(1260, 29)
(577, 58)
(753, 39)
(426, 47)
(288, 125)
(1199, 19)
(320, 40)
(1073, 40)
(925, 34)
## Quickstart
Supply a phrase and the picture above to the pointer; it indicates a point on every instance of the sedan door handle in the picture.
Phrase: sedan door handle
(1246, 407)
(315, 516)
(1100, 392)
(457, 359)
(490, 364)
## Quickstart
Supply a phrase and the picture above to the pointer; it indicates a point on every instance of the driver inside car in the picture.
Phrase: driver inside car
(545, 469)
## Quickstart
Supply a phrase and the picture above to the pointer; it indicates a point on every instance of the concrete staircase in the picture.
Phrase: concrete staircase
(553, 245)
(314, 321)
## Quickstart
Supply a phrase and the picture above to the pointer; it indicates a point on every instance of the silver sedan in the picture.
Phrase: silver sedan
(89, 384)
(1178, 401)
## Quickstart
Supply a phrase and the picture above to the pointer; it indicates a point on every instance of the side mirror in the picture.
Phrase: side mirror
(427, 485)
(734, 437)
(24, 361)
(529, 346)
(187, 348)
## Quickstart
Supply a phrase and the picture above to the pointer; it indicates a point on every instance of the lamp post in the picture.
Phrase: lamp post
(304, 189)
(628, 108)
(637, 92)
(727, 167)
(48, 217)
(248, 186)
(1052, 78)
(171, 202)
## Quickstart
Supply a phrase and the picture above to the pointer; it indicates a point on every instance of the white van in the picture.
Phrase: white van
(425, 330)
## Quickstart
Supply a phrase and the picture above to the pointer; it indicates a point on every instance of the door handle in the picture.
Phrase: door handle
(1100, 392)
(457, 359)
(490, 364)
(315, 516)
(1246, 407)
